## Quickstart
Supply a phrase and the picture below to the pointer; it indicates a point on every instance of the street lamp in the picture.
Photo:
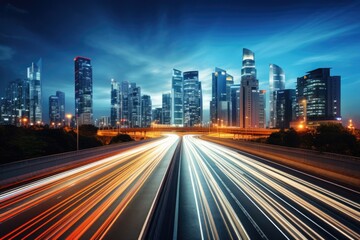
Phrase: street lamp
(77, 134)
(118, 126)
(69, 116)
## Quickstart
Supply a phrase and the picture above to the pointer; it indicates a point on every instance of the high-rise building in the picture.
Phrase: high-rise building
(262, 106)
(249, 92)
(276, 82)
(156, 115)
(146, 113)
(166, 109)
(192, 99)
(124, 104)
(177, 113)
(54, 110)
(15, 105)
(220, 104)
(34, 78)
(83, 90)
(61, 97)
(115, 103)
(235, 104)
(285, 102)
(134, 105)
(318, 95)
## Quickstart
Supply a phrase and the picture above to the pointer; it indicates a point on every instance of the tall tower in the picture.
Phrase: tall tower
(166, 109)
(83, 90)
(134, 105)
(61, 97)
(177, 111)
(276, 82)
(192, 99)
(249, 92)
(146, 111)
(34, 78)
(115, 103)
(220, 105)
(54, 110)
(262, 106)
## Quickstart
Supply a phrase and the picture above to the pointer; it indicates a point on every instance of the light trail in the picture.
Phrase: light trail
(92, 196)
(294, 207)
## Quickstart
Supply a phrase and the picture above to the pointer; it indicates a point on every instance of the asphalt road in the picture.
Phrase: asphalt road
(172, 189)
(228, 195)
(90, 201)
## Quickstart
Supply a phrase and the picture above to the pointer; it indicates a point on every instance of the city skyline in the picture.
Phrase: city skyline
(134, 49)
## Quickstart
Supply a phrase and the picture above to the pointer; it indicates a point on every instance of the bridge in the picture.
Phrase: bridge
(142, 132)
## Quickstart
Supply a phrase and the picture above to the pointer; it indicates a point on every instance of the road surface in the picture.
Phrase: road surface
(227, 195)
(88, 201)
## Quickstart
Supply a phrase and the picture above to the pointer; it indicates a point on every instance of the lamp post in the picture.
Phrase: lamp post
(118, 126)
(77, 133)
(69, 116)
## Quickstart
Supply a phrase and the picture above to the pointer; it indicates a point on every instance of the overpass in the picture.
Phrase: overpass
(237, 132)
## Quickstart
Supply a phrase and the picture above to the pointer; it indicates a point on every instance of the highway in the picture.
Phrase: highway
(228, 195)
(90, 201)
(173, 188)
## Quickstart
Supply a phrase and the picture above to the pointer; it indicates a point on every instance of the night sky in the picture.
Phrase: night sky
(142, 42)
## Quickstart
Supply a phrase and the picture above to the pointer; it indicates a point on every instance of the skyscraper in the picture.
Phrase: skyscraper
(319, 94)
(166, 109)
(83, 90)
(115, 103)
(15, 105)
(34, 78)
(192, 99)
(220, 104)
(177, 113)
(61, 97)
(134, 105)
(276, 82)
(156, 115)
(124, 103)
(54, 110)
(146, 111)
(235, 104)
(262, 106)
(249, 92)
(285, 102)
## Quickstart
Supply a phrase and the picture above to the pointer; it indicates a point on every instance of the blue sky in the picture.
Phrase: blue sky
(142, 42)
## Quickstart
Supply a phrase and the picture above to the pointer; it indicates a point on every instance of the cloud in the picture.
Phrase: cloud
(315, 59)
(312, 30)
(6, 52)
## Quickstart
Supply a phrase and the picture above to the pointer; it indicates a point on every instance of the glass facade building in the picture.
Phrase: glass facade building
(54, 110)
(83, 90)
(276, 82)
(192, 101)
(34, 78)
(319, 94)
(61, 97)
(262, 106)
(115, 103)
(15, 106)
(220, 104)
(285, 102)
(177, 94)
(166, 109)
(134, 105)
(146, 113)
(249, 92)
